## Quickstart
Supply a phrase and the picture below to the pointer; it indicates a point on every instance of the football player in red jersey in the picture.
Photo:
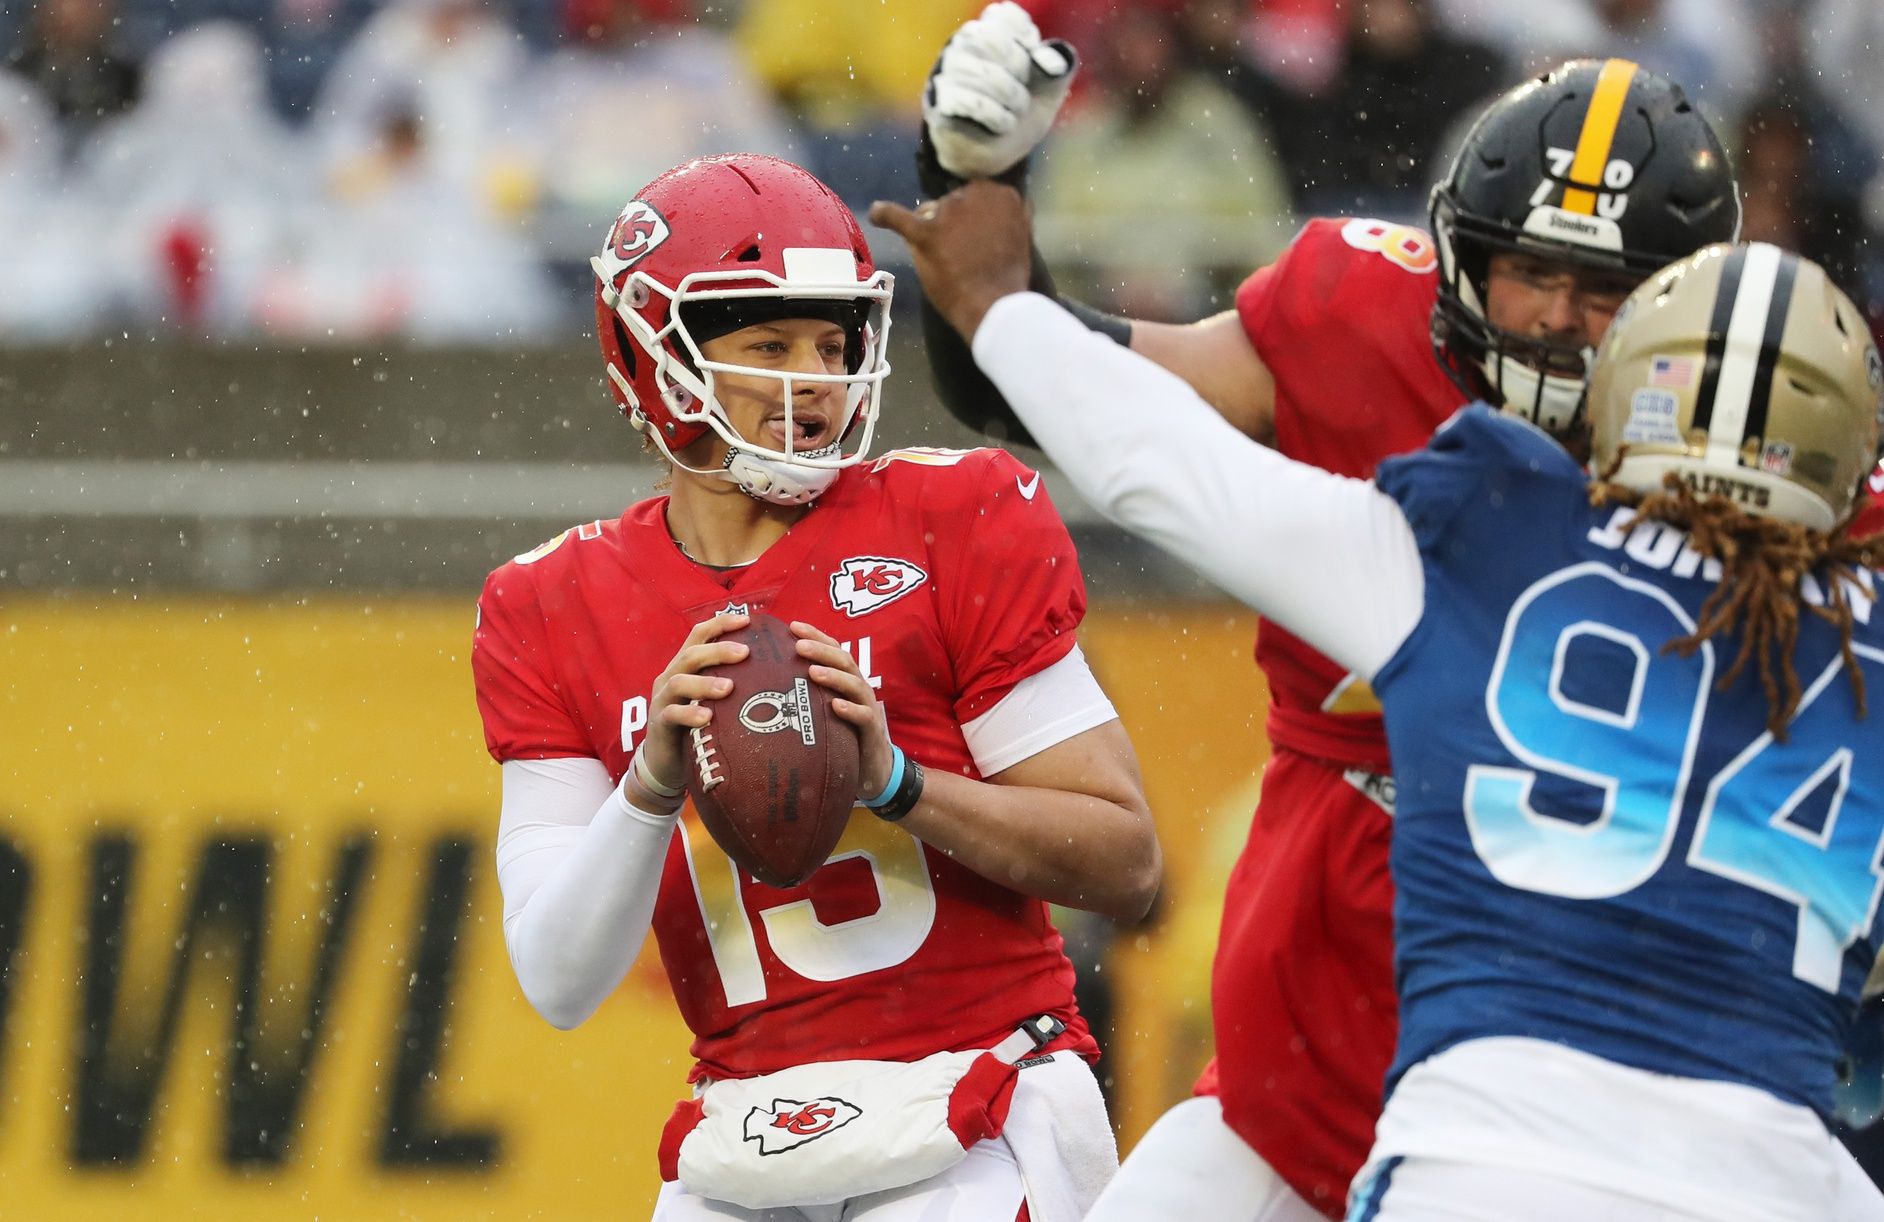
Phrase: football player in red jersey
(938, 596)
(1353, 346)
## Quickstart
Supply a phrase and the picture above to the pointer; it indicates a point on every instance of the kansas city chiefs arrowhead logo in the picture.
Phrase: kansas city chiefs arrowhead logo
(638, 230)
(790, 1123)
(864, 583)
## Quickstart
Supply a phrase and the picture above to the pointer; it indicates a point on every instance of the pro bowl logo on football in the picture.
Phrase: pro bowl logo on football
(638, 230)
(864, 583)
(770, 712)
(789, 1123)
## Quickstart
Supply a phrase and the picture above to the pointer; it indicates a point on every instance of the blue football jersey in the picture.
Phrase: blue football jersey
(1593, 844)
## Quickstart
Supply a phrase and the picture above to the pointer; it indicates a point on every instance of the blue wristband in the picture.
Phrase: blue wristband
(898, 761)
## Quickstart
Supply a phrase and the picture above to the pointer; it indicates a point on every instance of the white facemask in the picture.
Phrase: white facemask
(1552, 407)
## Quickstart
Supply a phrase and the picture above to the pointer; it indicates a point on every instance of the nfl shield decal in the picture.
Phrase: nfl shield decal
(864, 583)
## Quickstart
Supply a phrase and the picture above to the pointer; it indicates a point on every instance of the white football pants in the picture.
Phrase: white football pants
(1190, 1167)
(984, 1187)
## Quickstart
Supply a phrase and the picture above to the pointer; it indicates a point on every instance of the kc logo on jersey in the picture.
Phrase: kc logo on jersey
(864, 583)
(770, 712)
(790, 1123)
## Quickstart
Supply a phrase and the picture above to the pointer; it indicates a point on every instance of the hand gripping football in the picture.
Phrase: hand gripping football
(774, 774)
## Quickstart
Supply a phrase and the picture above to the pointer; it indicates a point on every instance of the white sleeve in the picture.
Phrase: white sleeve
(1043, 710)
(1330, 558)
(579, 868)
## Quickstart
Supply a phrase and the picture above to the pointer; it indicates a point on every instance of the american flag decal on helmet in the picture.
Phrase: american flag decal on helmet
(1674, 371)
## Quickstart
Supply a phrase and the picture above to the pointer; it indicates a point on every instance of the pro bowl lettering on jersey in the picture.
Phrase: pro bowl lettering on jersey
(864, 583)
(771, 712)
(637, 232)
(790, 1123)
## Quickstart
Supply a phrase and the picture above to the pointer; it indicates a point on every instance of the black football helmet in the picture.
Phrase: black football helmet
(1598, 164)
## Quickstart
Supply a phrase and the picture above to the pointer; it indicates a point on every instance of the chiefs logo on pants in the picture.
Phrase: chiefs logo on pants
(790, 1122)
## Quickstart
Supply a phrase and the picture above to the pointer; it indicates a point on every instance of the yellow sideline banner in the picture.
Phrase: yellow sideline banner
(251, 948)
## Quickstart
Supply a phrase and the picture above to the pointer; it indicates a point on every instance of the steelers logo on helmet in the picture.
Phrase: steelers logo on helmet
(723, 243)
(1600, 167)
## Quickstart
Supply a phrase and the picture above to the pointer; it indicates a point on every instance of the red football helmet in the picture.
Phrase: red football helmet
(738, 237)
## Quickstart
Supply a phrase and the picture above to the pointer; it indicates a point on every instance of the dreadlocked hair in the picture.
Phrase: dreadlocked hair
(1764, 563)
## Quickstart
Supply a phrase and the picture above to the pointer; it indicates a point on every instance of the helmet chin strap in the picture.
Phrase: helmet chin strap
(1550, 401)
(776, 480)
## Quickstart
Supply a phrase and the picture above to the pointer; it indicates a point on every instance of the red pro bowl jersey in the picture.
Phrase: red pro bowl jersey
(949, 576)
(1870, 519)
(1343, 321)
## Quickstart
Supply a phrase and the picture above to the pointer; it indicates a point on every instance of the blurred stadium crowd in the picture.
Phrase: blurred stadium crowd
(439, 170)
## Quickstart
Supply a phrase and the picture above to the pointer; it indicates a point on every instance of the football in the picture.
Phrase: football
(774, 775)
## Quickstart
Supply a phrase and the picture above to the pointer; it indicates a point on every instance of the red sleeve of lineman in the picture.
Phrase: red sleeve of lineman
(518, 697)
(1007, 580)
(1281, 300)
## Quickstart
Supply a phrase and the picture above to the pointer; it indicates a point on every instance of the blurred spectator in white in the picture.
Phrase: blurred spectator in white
(70, 50)
(1161, 178)
(457, 65)
(1711, 48)
(400, 249)
(50, 287)
(198, 185)
(635, 90)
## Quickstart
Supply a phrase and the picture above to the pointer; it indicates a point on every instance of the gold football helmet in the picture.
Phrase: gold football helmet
(1745, 371)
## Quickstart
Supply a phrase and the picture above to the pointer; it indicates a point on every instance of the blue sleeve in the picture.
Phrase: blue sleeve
(1472, 457)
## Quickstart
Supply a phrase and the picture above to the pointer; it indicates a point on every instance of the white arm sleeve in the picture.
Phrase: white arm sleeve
(1043, 710)
(578, 868)
(1331, 559)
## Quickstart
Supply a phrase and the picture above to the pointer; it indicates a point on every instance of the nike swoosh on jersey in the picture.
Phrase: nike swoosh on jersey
(1028, 489)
